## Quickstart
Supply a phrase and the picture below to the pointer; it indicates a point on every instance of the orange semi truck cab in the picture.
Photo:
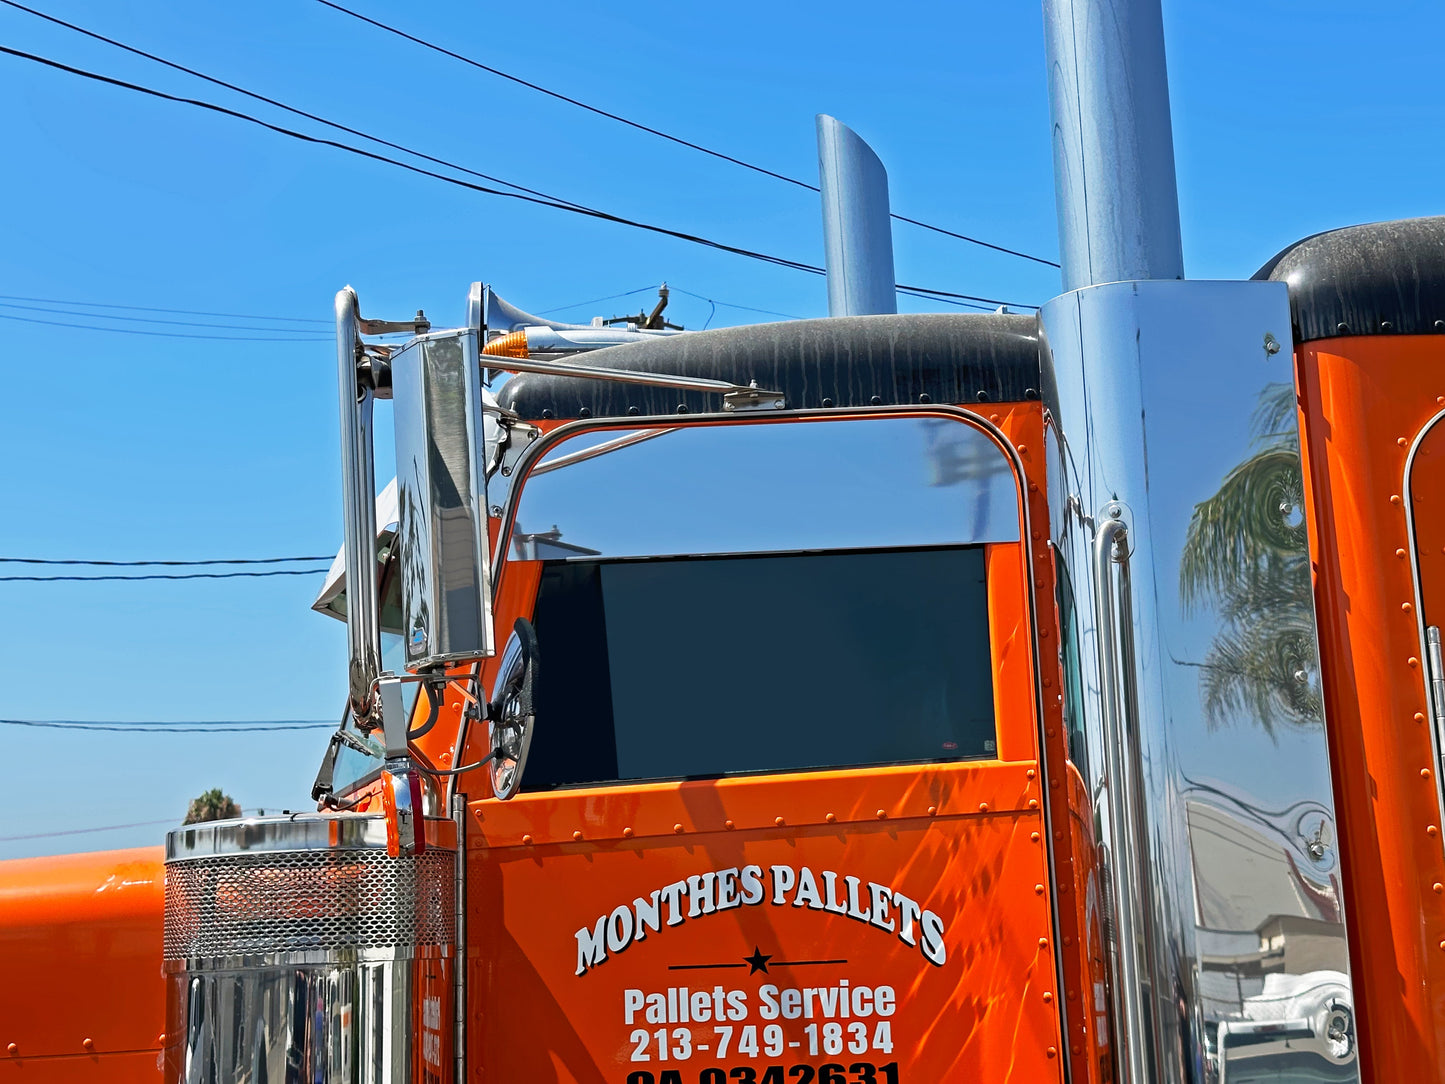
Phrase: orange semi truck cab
(768, 704)
(878, 698)
(783, 813)
(784, 816)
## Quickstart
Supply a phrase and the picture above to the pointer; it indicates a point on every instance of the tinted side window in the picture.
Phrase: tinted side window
(698, 667)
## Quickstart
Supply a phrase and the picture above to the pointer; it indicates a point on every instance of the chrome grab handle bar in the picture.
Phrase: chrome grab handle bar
(358, 504)
(1124, 773)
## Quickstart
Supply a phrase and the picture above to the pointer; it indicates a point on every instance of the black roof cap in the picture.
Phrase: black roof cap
(838, 361)
(1385, 278)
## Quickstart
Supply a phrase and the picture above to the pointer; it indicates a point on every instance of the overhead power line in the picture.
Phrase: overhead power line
(730, 305)
(654, 131)
(675, 289)
(540, 200)
(165, 576)
(85, 831)
(544, 201)
(307, 333)
(174, 312)
(596, 300)
(165, 334)
(274, 102)
(243, 726)
(133, 564)
(967, 301)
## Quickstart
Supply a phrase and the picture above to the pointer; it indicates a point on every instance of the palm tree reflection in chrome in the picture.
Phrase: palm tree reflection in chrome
(1246, 556)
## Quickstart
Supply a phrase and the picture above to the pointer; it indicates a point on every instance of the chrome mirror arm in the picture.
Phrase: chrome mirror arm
(735, 396)
(358, 504)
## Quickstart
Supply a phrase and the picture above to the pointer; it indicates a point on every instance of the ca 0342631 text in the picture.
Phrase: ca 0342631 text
(858, 1072)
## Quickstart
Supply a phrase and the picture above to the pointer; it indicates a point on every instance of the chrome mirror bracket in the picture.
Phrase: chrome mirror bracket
(358, 496)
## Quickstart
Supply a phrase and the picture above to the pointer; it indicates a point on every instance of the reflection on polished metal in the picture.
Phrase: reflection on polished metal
(557, 462)
(297, 950)
(476, 309)
(1195, 691)
(1430, 649)
(857, 229)
(822, 484)
(358, 492)
(502, 317)
(441, 521)
(298, 832)
(735, 396)
(1128, 872)
(459, 994)
(511, 715)
(1113, 142)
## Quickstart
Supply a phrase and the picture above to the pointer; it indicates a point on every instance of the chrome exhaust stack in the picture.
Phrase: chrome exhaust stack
(1175, 496)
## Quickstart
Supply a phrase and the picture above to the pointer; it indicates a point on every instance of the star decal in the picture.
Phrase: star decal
(758, 961)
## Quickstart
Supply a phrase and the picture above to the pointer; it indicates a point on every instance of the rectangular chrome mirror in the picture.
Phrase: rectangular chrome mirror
(446, 597)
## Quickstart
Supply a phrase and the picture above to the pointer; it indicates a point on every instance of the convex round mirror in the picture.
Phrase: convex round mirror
(510, 714)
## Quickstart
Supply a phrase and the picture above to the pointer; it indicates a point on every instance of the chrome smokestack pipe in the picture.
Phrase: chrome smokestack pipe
(1118, 203)
(857, 230)
(1208, 771)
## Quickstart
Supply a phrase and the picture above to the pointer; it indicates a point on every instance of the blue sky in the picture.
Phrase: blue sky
(1289, 118)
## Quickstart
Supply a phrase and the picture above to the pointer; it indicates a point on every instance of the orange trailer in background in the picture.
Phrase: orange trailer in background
(80, 938)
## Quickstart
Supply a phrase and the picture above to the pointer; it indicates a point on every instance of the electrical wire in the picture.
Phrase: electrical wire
(589, 212)
(654, 131)
(245, 726)
(563, 97)
(300, 332)
(115, 827)
(85, 831)
(553, 203)
(173, 312)
(133, 564)
(272, 101)
(165, 576)
(165, 334)
(730, 305)
(949, 301)
(594, 301)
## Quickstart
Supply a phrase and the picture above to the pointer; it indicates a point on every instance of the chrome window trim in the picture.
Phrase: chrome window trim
(1437, 710)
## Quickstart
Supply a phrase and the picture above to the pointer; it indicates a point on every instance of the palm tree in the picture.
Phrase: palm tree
(1246, 556)
(211, 805)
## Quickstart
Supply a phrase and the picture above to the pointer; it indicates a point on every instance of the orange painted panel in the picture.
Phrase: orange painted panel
(80, 942)
(1363, 400)
(908, 947)
(959, 823)
(114, 1068)
(1011, 643)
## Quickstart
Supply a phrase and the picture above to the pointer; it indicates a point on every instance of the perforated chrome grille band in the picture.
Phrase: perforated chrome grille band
(308, 901)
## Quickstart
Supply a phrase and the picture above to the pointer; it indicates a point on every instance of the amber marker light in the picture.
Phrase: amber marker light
(513, 345)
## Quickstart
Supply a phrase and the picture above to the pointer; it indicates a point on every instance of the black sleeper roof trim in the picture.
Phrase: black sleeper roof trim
(1385, 278)
(839, 361)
